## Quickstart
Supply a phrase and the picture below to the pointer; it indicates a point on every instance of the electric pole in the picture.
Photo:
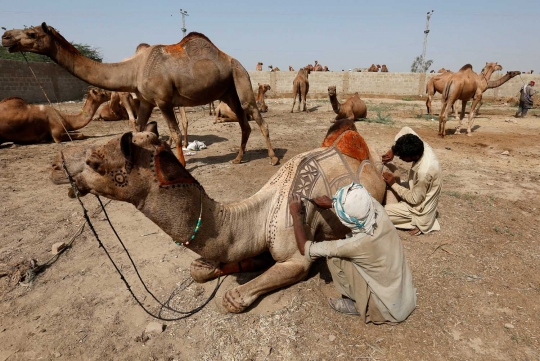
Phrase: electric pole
(426, 32)
(184, 14)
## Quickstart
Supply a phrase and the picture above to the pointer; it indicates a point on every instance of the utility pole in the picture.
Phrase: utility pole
(426, 32)
(184, 14)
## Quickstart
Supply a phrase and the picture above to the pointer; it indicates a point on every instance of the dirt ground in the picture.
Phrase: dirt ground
(478, 279)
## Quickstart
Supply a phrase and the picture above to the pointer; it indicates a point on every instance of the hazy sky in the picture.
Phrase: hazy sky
(342, 34)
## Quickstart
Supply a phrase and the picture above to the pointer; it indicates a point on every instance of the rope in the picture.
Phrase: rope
(44, 93)
(165, 305)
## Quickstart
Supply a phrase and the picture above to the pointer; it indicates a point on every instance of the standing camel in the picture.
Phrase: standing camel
(192, 72)
(259, 66)
(353, 108)
(384, 69)
(21, 122)
(301, 88)
(436, 85)
(141, 169)
(291, 68)
(464, 85)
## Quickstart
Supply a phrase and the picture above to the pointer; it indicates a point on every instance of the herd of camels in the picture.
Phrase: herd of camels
(191, 73)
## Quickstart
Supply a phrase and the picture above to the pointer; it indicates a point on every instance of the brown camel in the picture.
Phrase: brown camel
(301, 88)
(497, 83)
(259, 66)
(309, 66)
(191, 73)
(291, 68)
(464, 85)
(325, 68)
(141, 169)
(25, 123)
(212, 108)
(353, 108)
(384, 69)
(443, 70)
(436, 85)
(225, 114)
(117, 107)
(317, 66)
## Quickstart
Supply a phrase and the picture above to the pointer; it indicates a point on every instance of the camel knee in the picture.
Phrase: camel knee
(203, 270)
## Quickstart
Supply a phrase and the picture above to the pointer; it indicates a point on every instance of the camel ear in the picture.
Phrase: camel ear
(126, 145)
(45, 27)
(169, 170)
(152, 128)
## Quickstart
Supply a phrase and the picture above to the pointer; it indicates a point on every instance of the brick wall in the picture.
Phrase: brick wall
(371, 84)
(16, 80)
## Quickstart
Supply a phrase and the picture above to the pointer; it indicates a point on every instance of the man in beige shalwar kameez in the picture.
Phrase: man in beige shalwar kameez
(368, 267)
(417, 210)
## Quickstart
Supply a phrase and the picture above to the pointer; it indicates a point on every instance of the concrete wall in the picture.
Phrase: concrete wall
(371, 84)
(16, 80)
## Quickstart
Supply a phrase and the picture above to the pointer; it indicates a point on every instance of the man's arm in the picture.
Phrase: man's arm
(417, 194)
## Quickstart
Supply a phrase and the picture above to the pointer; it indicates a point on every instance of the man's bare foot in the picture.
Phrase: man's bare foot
(415, 232)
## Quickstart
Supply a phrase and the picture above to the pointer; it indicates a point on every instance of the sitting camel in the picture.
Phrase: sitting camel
(301, 88)
(272, 69)
(353, 108)
(317, 66)
(325, 68)
(259, 66)
(25, 123)
(443, 70)
(141, 169)
(117, 108)
(464, 85)
(225, 114)
(374, 68)
(384, 69)
(191, 73)
(309, 67)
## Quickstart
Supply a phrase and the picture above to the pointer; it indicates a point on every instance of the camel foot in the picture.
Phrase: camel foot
(236, 161)
(457, 132)
(202, 270)
(469, 134)
(274, 160)
(233, 302)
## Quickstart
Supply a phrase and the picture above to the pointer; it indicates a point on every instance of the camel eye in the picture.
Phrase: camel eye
(32, 35)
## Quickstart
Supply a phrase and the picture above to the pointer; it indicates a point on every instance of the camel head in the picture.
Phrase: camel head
(126, 168)
(332, 90)
(325, 68)
(378, 66)
(513, 73)
(491, 67)
(99, 96)
(316, 63)
(38, 39)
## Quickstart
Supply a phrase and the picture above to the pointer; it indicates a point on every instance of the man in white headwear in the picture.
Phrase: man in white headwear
(368, 267)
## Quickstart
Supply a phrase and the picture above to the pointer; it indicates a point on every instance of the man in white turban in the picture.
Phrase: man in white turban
(368, 267)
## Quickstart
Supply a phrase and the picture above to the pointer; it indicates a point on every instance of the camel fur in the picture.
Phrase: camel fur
(141, 169)
(25, 123)
(301, 88)
(192, 72)
(353, 108)
(224, 113)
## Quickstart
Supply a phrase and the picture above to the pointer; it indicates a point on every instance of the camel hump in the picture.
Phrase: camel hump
(345, 137)
(13, 98)
(466, 66)
(195, 35)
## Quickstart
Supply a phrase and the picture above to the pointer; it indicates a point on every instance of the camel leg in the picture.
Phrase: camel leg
(168, 113)
(294, 101)
(442, 119)
(279, 275)
(203, 270)
(428, 104)
(461, 116)
(475, 102)
(256, 115)
(145, 110)
(184, 125)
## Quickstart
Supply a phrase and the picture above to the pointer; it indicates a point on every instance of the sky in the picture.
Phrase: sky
(341, 34)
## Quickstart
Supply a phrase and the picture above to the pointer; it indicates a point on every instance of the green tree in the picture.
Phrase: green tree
(418, 65)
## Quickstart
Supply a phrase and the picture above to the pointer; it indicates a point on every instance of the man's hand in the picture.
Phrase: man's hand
(295, 204)
(388, 178)
(388, 156)
(323, 202)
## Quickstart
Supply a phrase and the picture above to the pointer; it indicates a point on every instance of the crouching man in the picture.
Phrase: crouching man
(368, 267)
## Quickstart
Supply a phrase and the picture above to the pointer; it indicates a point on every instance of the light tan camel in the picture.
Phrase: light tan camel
(117, 107)
(309, 66)
(497, 83)
(272, 68)
(464, 85)
(25, 123)
(353, 108)
(443, 70)
(384, 69)
(301, 88)
(436, 85)
(291, 68)
(259, 66)
(141, 169)
(317, 66)
(224, 113)
(191, 73)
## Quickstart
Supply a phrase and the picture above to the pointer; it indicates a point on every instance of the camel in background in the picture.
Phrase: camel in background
(374, 68)
(273, 69)
(225, 114)
(190, 73)
(325, 68)
(353, 108)
(259, 66)
(301, 88)
(464, 85)
(25, 123)
(291, 68)
(443, 70)
(384, 69)
(117, 107)
(309, 67)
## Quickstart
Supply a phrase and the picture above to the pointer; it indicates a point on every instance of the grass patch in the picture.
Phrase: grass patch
(407, 99)
(382, 116)
(459, 195)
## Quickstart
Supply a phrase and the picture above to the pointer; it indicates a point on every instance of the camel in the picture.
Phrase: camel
(117, 107)
(464, 85)
(317, 66)
(272, 68)
(353, 108)
(192, 72)
(259, 66)
(309, 66)
(374, 68)
(443, 70)
(301, 88)
(436, 85)
(495, 84)
(384, 69)
(225, 114)
(291, 68)
(325, 68)
(141, 169)
(212, 108)
(25, 123)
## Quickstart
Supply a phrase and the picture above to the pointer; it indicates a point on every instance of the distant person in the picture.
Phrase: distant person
(368, 267)
(418, 200)
(525, 99)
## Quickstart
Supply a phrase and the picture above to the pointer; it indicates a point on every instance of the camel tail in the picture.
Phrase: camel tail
(446, 91)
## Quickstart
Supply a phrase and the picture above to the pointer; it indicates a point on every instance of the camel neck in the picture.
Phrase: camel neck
(78, 121)
(335, 103)
(260, 95)
(497, 83)
(114, 76)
